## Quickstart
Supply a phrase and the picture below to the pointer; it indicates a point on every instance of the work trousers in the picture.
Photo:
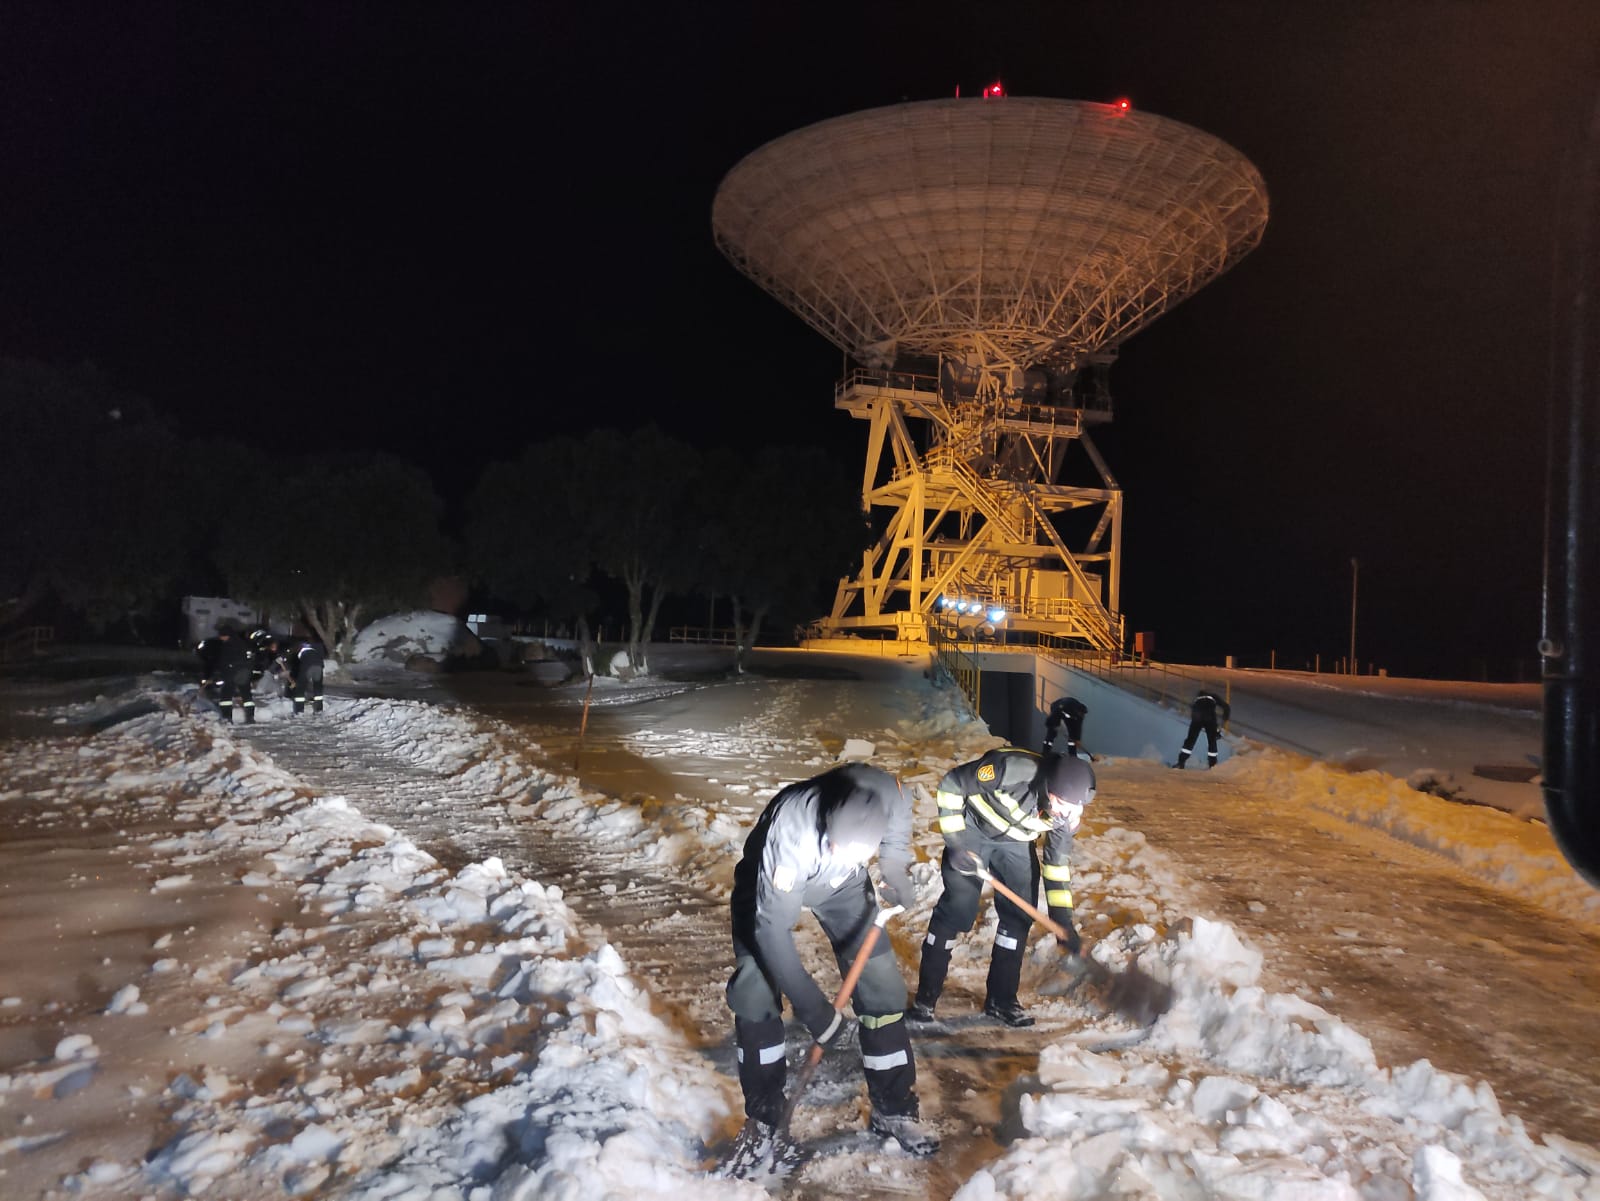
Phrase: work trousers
(1195, 727)
(1016, 865)
(307, 685)
(230, 687)
(879, 1002)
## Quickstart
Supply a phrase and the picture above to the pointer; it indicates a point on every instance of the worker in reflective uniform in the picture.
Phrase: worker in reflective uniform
(231, 668)
(991, 813)
(809, 850)
(306, 661)
(1207, 711)
(1068, 711)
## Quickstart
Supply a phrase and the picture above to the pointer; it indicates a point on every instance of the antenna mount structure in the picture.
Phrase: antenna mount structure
(980, 261)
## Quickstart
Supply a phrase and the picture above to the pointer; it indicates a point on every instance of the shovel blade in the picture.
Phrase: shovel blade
(1132, 992)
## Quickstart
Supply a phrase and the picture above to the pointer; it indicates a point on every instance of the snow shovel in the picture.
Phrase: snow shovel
(809, 1068)
(1132, 992)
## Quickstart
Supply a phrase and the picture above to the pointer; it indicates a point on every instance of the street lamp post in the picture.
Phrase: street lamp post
(1355, 576)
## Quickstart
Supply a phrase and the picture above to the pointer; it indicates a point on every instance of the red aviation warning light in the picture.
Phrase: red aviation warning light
(1122, 105)
(994, 91)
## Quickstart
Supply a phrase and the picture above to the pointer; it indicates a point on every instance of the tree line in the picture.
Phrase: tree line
(115, 514)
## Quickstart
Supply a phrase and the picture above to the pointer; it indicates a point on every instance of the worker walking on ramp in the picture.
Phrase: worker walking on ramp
(1205, 713)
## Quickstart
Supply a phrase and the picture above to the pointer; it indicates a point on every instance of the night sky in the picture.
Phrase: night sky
(447, 230)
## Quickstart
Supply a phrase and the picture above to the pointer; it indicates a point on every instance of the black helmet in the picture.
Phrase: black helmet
(860, 818)
(1066, 778)
(857, 812)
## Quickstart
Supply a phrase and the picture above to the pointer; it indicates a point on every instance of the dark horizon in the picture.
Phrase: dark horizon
(445, 234)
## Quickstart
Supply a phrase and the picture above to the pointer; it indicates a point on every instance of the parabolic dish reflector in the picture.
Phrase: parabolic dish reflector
(1019, 230)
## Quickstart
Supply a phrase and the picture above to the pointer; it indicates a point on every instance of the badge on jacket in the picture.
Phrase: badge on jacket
(986, 773)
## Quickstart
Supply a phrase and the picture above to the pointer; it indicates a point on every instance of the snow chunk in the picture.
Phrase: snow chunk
(857, 750)
(1437, 1176)
(126, 1000)
(75, 1047)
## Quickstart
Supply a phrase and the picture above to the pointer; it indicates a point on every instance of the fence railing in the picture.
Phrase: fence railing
(1162, 683)
(961, 666)
(702, 635)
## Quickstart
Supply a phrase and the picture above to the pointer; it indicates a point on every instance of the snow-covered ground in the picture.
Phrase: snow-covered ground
(414, 949)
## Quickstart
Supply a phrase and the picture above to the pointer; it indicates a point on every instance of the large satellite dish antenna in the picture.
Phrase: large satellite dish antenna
(981, 260)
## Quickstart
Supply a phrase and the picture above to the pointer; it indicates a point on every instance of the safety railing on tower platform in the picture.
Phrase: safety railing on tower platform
(900, 381)
(1067, 414)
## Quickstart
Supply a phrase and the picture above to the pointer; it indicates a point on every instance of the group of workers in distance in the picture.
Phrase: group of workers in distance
(810, 849)
(231, 662)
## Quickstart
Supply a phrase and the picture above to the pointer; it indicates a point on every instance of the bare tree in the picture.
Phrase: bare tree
(771, 557)
(351, 537)
(527, 534)
(636, 513)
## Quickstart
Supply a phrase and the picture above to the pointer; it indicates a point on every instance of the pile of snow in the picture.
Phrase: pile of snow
(1504, 851)
(387, 1027)
(1238, 1092)
(401, 637)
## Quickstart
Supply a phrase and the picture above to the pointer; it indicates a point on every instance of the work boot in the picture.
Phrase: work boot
(919, 1014)
(757, 1150)
(1009, 1012)
(905, 1128)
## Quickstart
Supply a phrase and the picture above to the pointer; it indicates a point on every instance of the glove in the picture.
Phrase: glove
(834, 1032)
(965, 862)
(897, 888)
(1072, 944)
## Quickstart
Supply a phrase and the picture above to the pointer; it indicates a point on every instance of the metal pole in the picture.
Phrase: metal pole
(1568, 648)
(1355, 575)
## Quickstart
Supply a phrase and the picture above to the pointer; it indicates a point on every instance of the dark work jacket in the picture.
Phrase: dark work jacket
(785, 869)
(1210, 710)
(232, 662)
(1062, 708)
(1068, 706)
(995, 799)
(207, 650)
(306, 655)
